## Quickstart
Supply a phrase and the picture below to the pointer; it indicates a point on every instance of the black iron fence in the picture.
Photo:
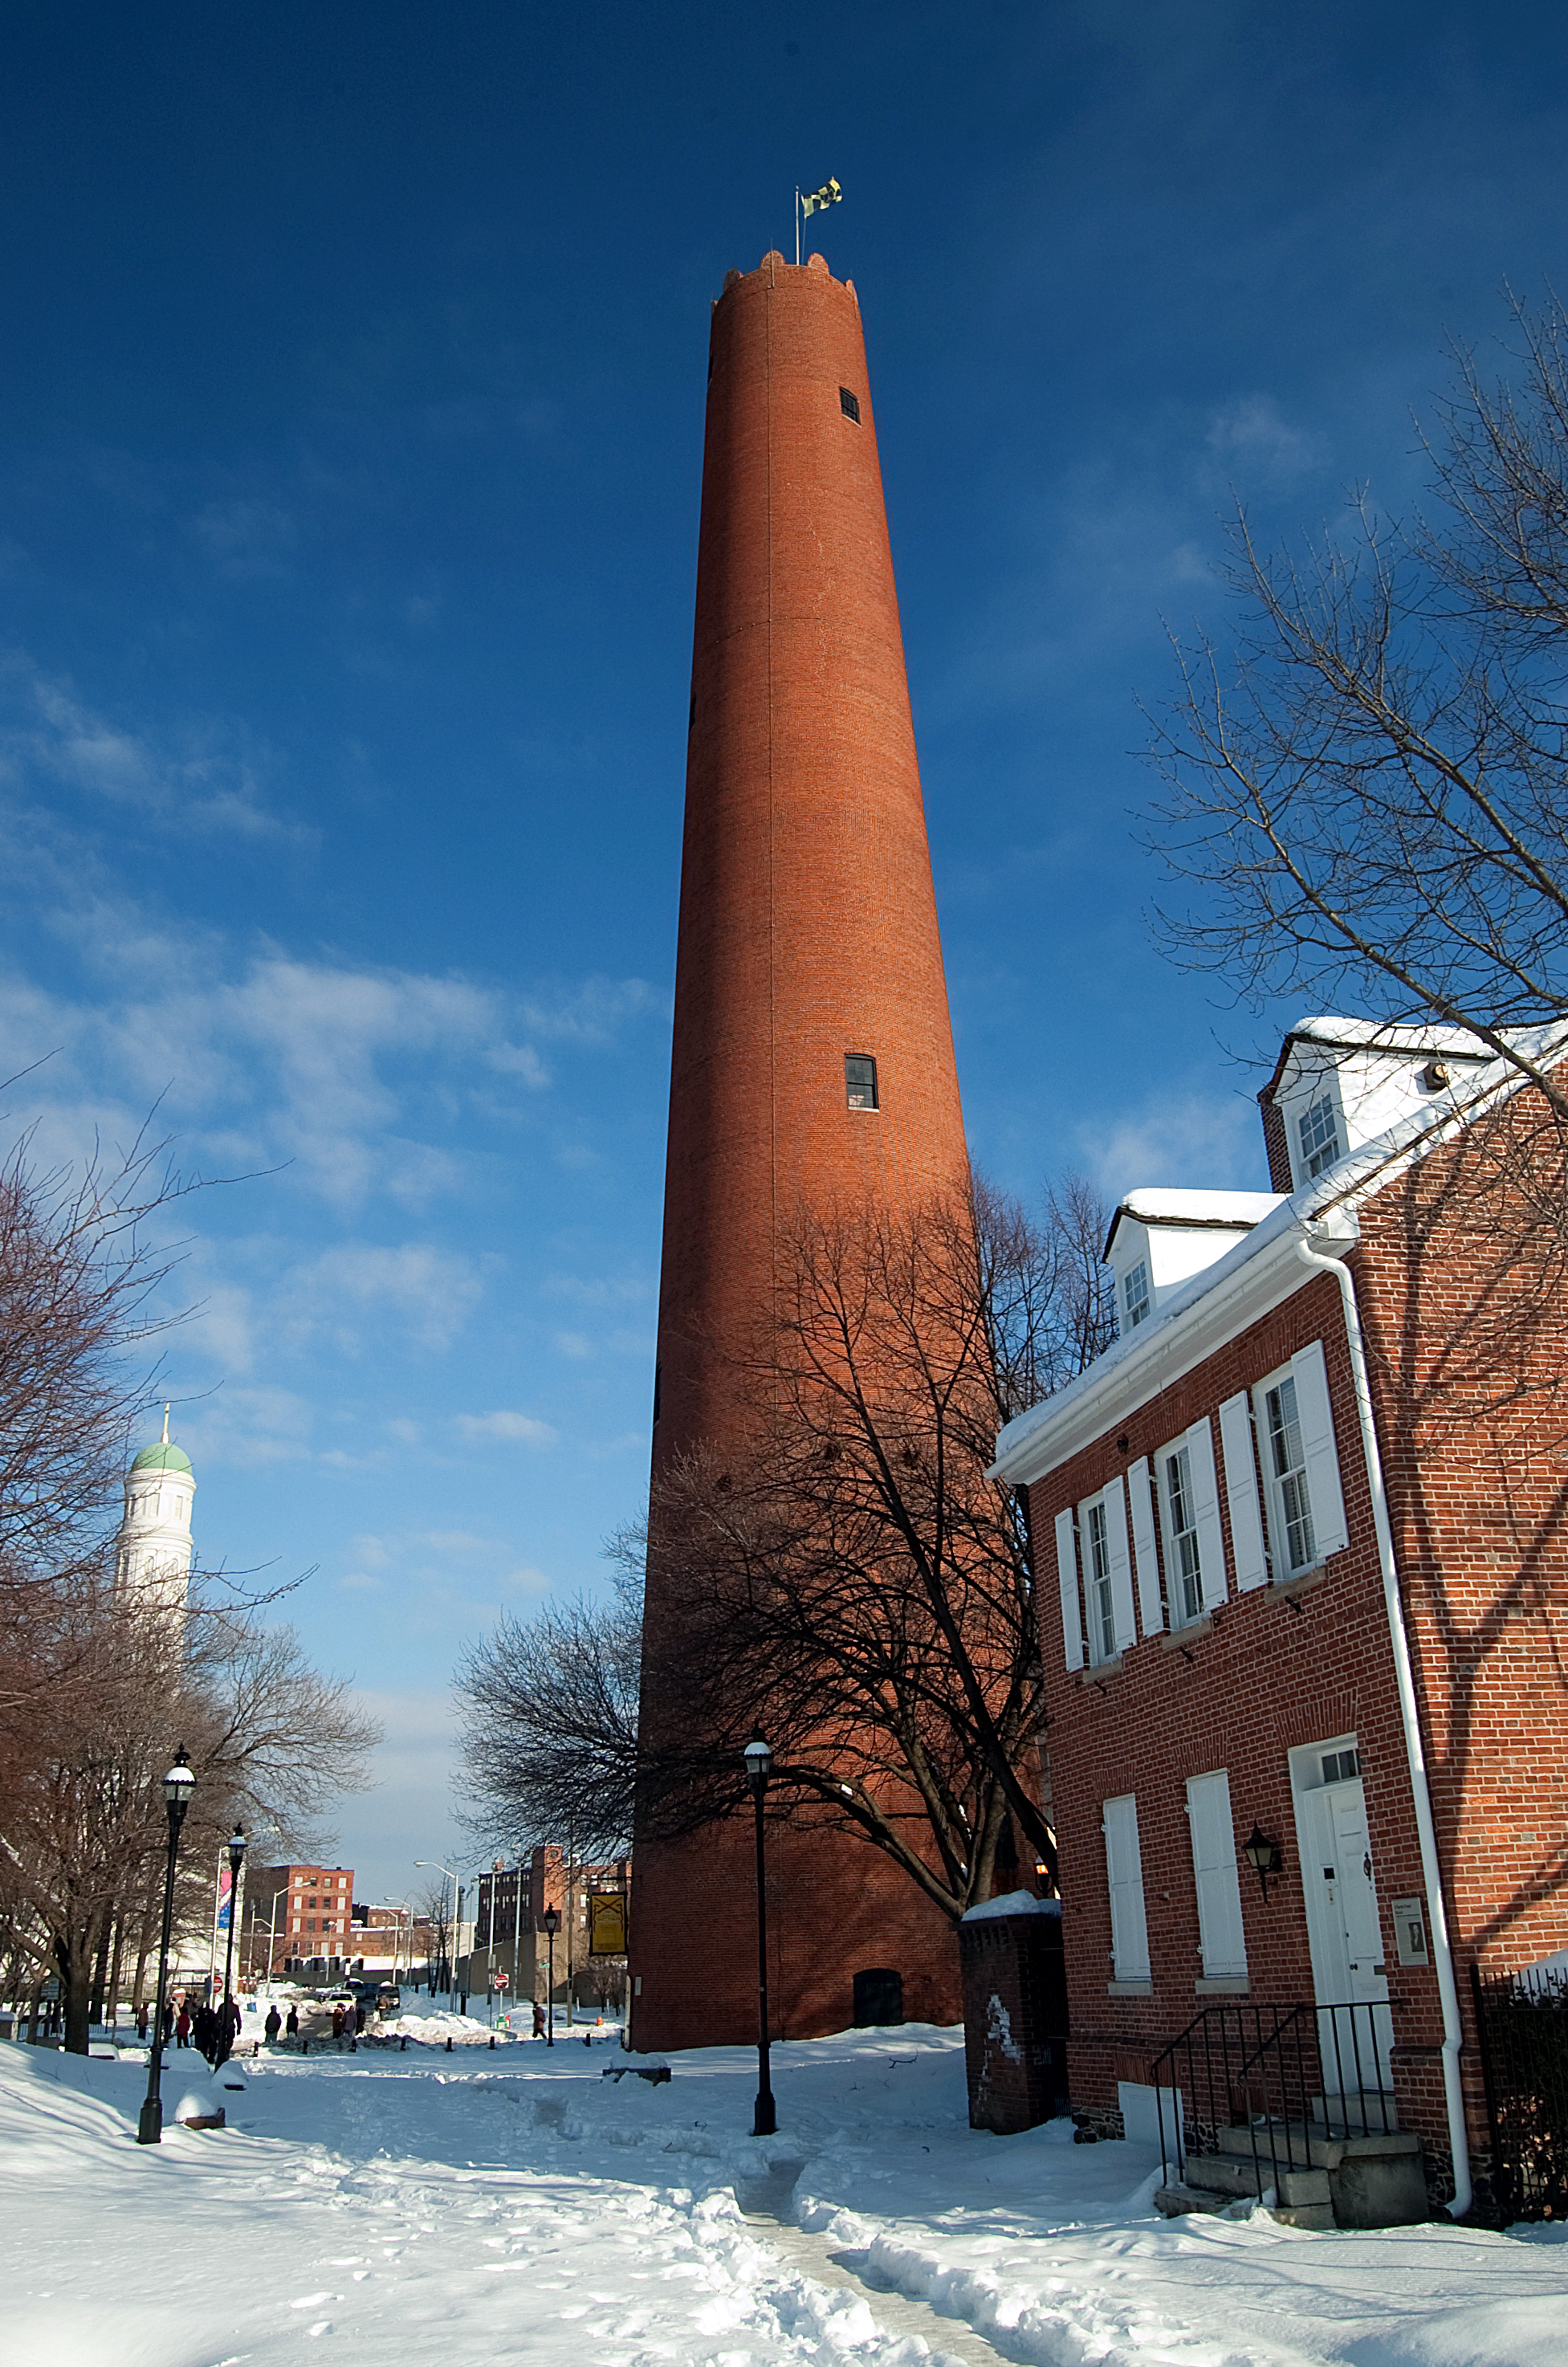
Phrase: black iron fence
(1522, 2024)
(1290, 2075)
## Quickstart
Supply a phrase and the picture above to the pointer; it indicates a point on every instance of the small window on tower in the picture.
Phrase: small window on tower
(848, 405)
(859, 1080)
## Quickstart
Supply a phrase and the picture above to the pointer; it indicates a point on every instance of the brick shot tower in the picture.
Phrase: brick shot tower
(813, 1059)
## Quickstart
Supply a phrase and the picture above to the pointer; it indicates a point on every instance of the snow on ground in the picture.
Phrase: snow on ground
(405, 2206)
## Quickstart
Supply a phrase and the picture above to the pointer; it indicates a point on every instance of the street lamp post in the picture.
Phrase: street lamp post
(431, 1866)
(236, 1860)
(551, 1921)
(178, 1785)
(758, 1761)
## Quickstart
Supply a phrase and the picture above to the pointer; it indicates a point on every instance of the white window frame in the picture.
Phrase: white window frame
(1318, 1470)
(1199, 1443)
(1110, 1622)
(1136, 1311)
(1125, 1887)
(1317, 1158)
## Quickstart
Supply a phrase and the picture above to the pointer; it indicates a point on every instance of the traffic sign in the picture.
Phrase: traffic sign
(501, 1980)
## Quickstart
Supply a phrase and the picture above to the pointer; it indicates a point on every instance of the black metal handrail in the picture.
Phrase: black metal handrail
(1262, 2068)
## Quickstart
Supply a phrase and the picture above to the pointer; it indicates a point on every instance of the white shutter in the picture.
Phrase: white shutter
(1200, 1441)
(1067, 1577)
(1219, 1934)
(1310, 1378)
(1126, 1632)
(1241, 1492)
(1125, 1877)
(1151, 1610)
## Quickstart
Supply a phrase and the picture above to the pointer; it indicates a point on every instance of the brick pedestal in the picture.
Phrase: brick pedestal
(1015, 2013)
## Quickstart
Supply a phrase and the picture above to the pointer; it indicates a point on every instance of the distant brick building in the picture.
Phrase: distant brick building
(296, 1916)
(509, 1934)
(812, 1063)
(1301, 1559)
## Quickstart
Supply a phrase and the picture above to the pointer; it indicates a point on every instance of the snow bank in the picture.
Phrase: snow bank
(1013, 1902)
(519, 2205)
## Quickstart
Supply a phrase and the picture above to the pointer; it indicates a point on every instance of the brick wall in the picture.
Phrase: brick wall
(808, 932)
(1014, 2020)
(1268, 1672)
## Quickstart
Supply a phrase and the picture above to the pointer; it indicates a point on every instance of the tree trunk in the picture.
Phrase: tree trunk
(114, 1967)
(73, 1956)
(101, 1968)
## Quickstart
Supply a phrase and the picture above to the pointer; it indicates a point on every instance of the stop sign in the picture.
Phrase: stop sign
(501, 1980)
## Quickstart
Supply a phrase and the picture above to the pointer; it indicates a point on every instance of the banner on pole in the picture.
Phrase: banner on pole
(606, 1922)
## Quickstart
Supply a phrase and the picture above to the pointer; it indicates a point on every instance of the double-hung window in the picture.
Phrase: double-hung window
(1188, 1491)
(1187, 1565)
(1135, 1302)
(1302, 1495)
(1287, 1470)
(1097, 1574)
(1319, 1132)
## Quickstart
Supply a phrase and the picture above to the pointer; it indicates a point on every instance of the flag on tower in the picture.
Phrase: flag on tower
(828, 195)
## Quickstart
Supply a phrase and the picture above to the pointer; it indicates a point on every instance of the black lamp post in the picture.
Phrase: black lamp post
(758, 1764)
(236, 1860)
(551, 1921)
(178, 1785)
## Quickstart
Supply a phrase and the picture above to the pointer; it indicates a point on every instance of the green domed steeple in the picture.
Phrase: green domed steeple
(163, 1458)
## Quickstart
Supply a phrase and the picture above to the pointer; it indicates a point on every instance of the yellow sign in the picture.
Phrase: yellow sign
(606, 1922)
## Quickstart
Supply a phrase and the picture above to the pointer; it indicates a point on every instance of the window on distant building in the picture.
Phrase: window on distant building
(848, 405)
(1135, 1295)
(1185, 1570)
(1320, 1136)
(860, 1081)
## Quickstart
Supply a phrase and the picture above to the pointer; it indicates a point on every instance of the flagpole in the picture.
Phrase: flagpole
(797, 228)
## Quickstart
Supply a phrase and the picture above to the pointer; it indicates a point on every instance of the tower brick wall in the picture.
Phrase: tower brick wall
(807, 933)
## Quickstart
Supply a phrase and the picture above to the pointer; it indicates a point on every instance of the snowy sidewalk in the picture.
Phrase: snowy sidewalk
(517, 2205)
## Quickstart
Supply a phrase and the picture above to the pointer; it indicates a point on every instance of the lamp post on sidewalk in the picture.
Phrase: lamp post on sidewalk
(236, 1860)
(551, 1921)
(178, 1785)
(759, 1762)
(431, 1866)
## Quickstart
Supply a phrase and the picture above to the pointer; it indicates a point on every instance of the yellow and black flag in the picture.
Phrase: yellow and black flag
(828, 195)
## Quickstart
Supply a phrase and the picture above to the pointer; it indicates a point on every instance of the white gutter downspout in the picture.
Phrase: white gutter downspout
(1453, 2033)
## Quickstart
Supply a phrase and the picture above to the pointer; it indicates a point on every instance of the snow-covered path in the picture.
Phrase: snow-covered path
(516, 2206)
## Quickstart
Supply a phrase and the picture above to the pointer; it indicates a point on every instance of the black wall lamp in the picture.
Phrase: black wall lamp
(1261, 1854)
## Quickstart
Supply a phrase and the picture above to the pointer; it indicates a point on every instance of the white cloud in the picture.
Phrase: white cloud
(519, 1427)
(576, 1344)
(249, 1426)
(1194, 1140)
(432, 1291)
(1260, 445)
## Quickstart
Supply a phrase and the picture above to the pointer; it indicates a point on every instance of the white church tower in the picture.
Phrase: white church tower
(152, 1552)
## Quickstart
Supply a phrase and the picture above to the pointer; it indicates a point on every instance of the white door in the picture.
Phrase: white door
(1346, 1938)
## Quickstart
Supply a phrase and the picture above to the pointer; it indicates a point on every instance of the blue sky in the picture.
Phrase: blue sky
(349, 455)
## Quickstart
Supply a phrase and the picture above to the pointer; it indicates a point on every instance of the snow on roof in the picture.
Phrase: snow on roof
(1234, 1212)
(1339, 1186)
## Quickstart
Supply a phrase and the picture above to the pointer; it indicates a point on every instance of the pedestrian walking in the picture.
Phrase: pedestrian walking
(539, 2019)
(182, 2027)
(291, 2027)
(337, 2022)
(141, 2021)
(272, 2025)
(168, 2020)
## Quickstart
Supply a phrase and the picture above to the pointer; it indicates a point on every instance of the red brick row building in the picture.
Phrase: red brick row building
(1300, 1554)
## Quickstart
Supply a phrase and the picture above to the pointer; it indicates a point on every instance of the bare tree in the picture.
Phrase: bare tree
(117, 1689)
(1370, 796)
(434, 1909)
(548, 1723)
(852, 1580)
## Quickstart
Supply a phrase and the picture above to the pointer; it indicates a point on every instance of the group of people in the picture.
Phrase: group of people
(274, 2024)
(212, 2029)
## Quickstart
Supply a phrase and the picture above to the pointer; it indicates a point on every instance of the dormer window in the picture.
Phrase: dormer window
(1320, 1136)
(1135, 1295)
